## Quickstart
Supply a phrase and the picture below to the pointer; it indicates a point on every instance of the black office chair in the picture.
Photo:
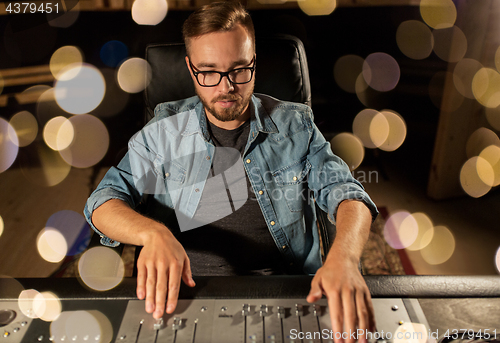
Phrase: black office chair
(281, 71)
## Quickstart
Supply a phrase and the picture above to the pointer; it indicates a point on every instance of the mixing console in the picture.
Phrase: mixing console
(202, 320)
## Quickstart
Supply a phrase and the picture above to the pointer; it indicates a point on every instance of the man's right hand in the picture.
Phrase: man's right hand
(161, 265)
(162, 262)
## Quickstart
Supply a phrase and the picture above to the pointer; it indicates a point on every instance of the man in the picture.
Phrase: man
(173, 164)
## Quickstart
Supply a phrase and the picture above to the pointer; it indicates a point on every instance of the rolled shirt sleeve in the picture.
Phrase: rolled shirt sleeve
(330, 178)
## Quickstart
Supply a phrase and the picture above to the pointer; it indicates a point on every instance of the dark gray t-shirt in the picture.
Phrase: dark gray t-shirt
(239, 243)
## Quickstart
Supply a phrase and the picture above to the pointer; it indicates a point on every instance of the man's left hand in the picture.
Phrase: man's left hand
(348, 297)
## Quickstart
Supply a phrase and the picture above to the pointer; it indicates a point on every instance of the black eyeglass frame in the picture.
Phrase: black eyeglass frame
(223, 73)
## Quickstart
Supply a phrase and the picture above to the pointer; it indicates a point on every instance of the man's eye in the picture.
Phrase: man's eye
(208, 73)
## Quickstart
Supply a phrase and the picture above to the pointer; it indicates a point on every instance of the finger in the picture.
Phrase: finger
(187, 275)
(363, 316)
(315, 293)
(336, 316)
(350, 316)
(141, 281)
(150, 289)
(372, 325)
(174, 281)
(161, 293)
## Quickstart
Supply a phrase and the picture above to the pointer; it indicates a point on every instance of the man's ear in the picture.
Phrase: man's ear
(190, 72)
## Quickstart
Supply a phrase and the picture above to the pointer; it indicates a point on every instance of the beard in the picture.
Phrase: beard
(227, 114)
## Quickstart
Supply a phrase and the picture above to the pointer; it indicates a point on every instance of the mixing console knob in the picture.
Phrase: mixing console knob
(299, 310)
(159, 324)
(177, 323)
(246, 310)
(281, 312)
(264, 310)
(316, 309)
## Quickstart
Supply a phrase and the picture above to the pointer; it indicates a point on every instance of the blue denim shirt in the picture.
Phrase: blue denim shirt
(288, 162)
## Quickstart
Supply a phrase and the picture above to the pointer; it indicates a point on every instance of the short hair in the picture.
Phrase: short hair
(217, 17)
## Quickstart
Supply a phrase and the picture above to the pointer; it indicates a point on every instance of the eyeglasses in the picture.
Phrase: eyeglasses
(212, 78)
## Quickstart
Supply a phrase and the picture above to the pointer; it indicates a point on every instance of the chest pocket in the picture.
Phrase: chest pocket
(172, 176)
(293, 183)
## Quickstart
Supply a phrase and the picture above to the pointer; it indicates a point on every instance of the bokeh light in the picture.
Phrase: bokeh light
(491, 154)
(497, 260)
(62, 58)
(493, 117)
(346, 71)
(90, 141)
(101, 268)
(43, 166)
(317, 7)
(47, 108)
(115, 99)
(438, 14)
(450, 44)
(47, 306)
(25, 126)
(25, 302)
(371, 127)
(349, 148)
(400, 230)
(486, 87)
(73, 226)
(11, 287)
(81, 92)
(497, 59)
(113, 53)
(440, 248)
(479, 140)
(397, 131)
(1, 226)
(149, 12)
(436, 92)
(414, 39)
(58, 133)
(134, 75)
(472, 174)
(381, 71)
(463, 74)
(361, 88)
(409, 332)
(52, 245)
(31, 94)
(91, 326)
(425, 231)
(9, 145)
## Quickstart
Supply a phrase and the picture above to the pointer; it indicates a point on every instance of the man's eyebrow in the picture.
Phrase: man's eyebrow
(213, 65)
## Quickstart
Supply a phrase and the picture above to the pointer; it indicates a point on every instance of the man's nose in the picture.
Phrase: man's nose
(226, 85)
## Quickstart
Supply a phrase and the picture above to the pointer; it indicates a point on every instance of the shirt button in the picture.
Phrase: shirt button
(197, 190)
(248, 160)
(208, 158)
(284, 247)
(261, 192)
(167, 174)
(294, 178)
(272, 222)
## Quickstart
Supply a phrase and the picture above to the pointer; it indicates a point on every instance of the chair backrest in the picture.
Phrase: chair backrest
(281, 71)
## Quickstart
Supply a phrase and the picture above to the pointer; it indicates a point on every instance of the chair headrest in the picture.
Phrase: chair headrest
(281, 71)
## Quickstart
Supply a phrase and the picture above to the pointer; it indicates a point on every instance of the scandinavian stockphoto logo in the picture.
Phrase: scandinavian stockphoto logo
(169, 164)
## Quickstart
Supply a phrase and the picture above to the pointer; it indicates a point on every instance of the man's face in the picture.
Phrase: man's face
(223, 51)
